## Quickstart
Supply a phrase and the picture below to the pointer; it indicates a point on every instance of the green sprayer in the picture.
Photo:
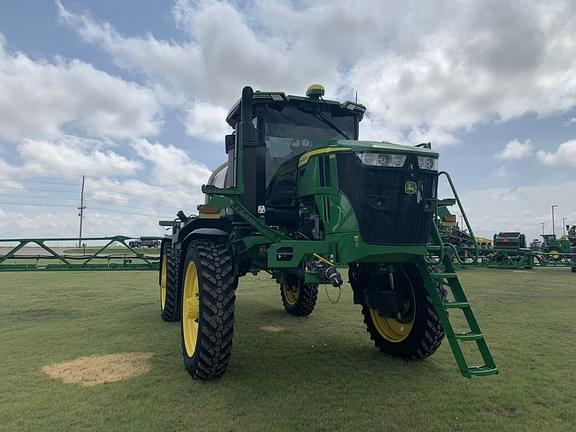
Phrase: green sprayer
(572, 237)
(300, 197)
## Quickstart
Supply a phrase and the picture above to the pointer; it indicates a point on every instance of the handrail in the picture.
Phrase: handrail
(461, 207)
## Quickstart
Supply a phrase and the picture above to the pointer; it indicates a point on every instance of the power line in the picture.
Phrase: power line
(40, 197)
(97, 197)
(25, 189)
(19, 180)
(71, 207)
(96, 202)
(35, 204)
(148, 194)
(54, 173)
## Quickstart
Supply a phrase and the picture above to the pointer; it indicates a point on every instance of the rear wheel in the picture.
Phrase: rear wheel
(208, 296)
(299, 299)
(415, 332)
(163, 276)
(169, 287)
(554, 255)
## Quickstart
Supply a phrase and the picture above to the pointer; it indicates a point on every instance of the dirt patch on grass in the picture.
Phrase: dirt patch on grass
(102, 369)
(272, 328)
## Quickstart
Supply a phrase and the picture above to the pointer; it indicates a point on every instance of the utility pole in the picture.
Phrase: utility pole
(542, 223)
(81, 214)
(553, 232)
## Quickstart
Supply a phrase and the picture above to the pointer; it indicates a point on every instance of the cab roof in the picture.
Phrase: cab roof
(279, 98)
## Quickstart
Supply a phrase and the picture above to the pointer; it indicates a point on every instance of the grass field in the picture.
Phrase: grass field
(317, 373)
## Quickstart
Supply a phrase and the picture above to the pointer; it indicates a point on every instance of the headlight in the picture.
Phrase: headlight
(428, 163)
(382, 159)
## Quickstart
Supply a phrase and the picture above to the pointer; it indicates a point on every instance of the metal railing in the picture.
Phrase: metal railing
(111, 253)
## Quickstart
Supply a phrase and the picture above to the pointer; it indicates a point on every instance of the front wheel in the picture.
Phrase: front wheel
(415, 332)
(298, 299)
(208, 296)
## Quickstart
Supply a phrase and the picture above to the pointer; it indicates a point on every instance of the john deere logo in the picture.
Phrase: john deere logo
(410, 187)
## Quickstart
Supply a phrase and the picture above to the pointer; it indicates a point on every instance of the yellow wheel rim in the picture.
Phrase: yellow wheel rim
(190, 309)
(391, 329)
(555, 255)
(163, 283)
(291, 294)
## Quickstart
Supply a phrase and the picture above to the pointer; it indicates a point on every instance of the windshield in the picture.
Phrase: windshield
(291, 131)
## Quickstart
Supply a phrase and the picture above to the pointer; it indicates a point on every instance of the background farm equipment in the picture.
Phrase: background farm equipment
(464, 244)
(461, 244)
(509, 251)
(144, 243)
(59, 254)
(301, 197)
(572, 238)
(557, 249)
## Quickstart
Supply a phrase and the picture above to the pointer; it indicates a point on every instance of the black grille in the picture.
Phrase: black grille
(386, 213)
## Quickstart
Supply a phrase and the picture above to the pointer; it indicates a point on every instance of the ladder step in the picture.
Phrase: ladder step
(468, 336)
(456, 305)
(483, 370)
(443, 275)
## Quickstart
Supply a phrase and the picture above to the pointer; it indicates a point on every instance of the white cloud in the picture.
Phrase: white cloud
(570, 121)
(515, 150)
(222, 55)
(171, 165)
(38, 98)
(467, 63)
(207, 120)
(7, 179)
(72, 155)
(565, 154)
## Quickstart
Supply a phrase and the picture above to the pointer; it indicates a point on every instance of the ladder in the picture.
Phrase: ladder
(448, 278)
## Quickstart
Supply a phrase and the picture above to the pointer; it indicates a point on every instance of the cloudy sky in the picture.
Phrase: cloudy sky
(133, 95)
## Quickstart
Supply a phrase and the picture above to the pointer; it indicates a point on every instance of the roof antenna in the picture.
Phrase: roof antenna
(356, 98)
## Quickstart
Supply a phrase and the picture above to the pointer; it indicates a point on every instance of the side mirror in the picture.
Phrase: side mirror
(230, 142)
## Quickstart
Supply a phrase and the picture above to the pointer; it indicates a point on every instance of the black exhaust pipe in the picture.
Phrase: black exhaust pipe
(249, 150)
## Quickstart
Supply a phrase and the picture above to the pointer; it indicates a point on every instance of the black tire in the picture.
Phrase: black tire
(207, 357)
(426, 332)
(170, 307)
(554, 255)
(298, 299)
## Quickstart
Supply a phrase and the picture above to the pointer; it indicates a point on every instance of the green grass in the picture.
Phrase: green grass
(319, 373)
